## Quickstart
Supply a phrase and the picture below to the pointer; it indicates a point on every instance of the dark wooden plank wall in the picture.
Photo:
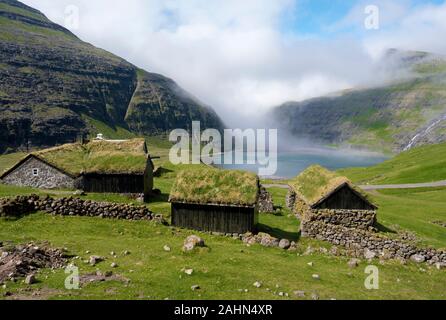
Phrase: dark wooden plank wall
(214, 218)
(345, 198)
(112, 183)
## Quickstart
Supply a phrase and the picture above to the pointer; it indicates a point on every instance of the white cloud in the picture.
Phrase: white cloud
(420, 29)
(233, 54)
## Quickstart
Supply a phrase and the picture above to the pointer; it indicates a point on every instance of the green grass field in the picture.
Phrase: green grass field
(422, 164)
(223, 270)
(227, 268)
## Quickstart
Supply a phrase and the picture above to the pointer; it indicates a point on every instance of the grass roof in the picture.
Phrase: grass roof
(98, 156)
(215, 186)
(316, 183)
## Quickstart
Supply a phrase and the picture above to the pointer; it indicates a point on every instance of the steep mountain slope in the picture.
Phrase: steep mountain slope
(53, 87)
(391, 118)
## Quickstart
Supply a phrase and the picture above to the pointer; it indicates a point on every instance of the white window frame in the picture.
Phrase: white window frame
(35, 172)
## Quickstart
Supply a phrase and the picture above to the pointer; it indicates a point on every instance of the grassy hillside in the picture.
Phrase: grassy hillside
(414, 210)
(422, 164)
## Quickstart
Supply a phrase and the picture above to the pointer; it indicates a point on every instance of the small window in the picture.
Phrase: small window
(35, 172)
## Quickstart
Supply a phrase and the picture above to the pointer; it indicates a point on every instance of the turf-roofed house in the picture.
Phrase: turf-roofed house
(318, 194)
(102, 166)
(215, 200)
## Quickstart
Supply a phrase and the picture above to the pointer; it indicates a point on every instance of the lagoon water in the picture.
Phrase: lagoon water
(291, 163)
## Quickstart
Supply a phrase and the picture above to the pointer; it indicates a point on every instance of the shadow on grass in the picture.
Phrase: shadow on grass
(279, 233)
(13, 218)
(162, 197)
(161, 171)
(383, 228)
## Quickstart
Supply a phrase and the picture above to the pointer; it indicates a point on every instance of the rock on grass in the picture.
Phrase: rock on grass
(353, 263)
(192, 242)
(30, 279)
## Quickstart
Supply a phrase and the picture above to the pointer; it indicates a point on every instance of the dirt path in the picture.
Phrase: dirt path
(380, 187)
(405, 186)
(281, 186)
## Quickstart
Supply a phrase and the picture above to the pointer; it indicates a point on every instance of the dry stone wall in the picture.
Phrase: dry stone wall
(290, 199)
(265, 202)
(75, 207)
(18, 206)
(363, 243)
(360, 219)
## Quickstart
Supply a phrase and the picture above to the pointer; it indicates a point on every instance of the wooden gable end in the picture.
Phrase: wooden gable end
(345, 198)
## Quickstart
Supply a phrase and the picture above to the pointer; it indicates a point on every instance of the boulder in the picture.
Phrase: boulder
(79, 193)
(189, 271)
(94, 260)
(418, 258)
(30, 279)
(440, 265)
(299, 293)
(192, 242)
(284, 244)
(353, 263)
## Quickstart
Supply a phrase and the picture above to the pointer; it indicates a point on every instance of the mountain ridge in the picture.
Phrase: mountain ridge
(393, 117)
(52, 83)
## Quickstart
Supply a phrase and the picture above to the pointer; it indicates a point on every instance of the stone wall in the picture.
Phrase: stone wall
(19, 206)
(362, 243)
(290, 199)
(75, 207)
(47, 178)
(361, 219)
(265, 202)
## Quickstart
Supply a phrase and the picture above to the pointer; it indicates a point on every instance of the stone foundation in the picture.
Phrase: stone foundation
(360, 219)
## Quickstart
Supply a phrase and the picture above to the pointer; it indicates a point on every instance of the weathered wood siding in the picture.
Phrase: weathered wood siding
(345, 198)
(112, 183)
(214, 218)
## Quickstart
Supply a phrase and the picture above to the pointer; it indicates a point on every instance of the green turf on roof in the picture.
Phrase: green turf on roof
(98, 156)
(214, 186)
(316, 182)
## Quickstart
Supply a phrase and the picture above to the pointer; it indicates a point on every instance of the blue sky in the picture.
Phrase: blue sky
(314, 17)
